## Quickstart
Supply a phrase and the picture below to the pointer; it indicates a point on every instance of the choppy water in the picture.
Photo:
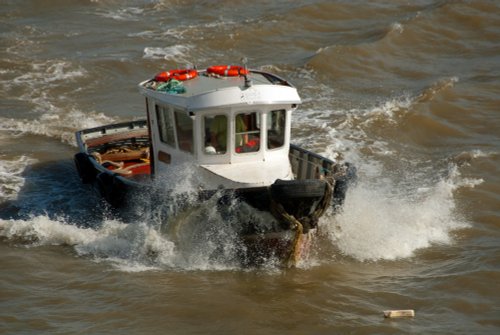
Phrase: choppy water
(408, 91)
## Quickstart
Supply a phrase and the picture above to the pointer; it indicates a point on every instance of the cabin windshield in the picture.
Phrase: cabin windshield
(250, 131)
(165, 125)
(276, 122)
(247, 134)
(175, 128)
(184, 129)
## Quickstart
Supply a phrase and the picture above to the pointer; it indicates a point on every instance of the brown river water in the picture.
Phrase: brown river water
(408, 91)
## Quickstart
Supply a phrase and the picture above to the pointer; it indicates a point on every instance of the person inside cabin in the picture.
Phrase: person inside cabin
(241, 128)
(218, 132)
(247, 137)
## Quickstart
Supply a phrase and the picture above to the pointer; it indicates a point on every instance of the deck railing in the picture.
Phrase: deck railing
(309, 165)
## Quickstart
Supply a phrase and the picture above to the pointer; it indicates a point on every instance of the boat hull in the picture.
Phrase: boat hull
(295, 205)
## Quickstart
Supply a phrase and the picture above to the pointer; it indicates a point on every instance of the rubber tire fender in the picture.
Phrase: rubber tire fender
(85, 168)
(111, 189)
(342, 184)
(292, 189)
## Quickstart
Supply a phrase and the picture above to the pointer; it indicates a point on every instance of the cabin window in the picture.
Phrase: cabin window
(165, 125)
(215, 134)
(247, 134)
(276, 129)
(184, 128)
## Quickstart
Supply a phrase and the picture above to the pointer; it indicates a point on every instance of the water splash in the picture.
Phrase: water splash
(167, 230)
(124, 245)
(11, 179)
(173, 230)
(403, 202)
(380, 221)
(197, 238)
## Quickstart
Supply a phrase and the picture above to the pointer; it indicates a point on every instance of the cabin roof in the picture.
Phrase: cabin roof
(208, 91)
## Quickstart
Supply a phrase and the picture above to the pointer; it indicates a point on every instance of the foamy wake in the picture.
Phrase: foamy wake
(159, 233)
(11, 179)
(132, 247)
(176, 53)
(165, 234)
(195, 239)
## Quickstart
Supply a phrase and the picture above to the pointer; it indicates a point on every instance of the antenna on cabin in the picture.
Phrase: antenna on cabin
(248, 82)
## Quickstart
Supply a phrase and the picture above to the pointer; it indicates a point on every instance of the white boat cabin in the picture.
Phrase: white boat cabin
(236, 129)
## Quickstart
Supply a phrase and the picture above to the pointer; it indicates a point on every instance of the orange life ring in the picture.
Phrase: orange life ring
(179, 74)
(228, 70)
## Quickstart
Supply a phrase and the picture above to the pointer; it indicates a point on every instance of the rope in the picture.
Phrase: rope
(280, 213)
(172, 86)
(119, 166)
(128, 169)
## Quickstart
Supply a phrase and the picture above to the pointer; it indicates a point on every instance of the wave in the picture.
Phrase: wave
(54, 209)
(44, 89)
(191, 32)
(403, 202)
(158, 232)
(133, 247)
(177, 53)
(47, 72)
(197, 238)
(390, 110)
(123, 14)
(35, 86)
(11, 178)
(55, 124)
(466, 157)
(377, 224)
(429, 93)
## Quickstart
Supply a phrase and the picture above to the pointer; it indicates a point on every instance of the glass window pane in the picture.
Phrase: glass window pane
(276, 121)
(165, 125)
(215, 134)
(184, 128)
(247, 136)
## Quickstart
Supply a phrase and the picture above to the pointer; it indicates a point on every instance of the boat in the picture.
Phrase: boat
(232, 126)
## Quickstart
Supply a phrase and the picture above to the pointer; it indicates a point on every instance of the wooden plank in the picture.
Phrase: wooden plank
(303, 165)
(401, 313)
(125, 156)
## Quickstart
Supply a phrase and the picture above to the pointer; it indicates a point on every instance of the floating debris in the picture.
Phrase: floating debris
(402, 313)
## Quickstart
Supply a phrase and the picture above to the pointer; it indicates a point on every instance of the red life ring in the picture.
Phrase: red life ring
(227, 70)
(179, 74)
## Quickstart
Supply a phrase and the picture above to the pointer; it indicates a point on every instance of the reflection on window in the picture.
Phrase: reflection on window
(184, 128)
(215, 134)
(165, 125)
(247, 136)
(276, 129)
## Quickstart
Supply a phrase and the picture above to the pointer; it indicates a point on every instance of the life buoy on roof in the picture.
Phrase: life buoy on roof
(227, 70)
(179, 74)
